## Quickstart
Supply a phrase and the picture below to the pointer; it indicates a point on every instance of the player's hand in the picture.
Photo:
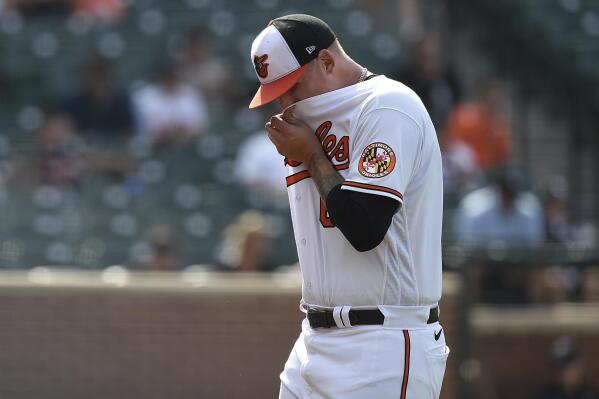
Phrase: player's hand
(292, 137)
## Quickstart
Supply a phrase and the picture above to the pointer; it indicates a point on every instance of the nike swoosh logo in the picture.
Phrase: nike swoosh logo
(438, 334)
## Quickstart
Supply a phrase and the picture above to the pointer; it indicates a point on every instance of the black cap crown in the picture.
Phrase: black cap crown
(305, 35)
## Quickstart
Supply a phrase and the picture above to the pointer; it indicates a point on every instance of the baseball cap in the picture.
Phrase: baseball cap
(282, 50)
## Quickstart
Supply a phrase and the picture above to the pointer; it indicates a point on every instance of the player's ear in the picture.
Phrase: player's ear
(326, 61)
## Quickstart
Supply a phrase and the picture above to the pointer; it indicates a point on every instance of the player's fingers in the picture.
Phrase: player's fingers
(289, 117)
(273, 136)
(270, 125)
(273, 133)
(273, 123)
(278, 123)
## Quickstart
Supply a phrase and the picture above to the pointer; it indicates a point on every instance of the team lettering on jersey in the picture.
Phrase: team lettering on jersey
(337, 150)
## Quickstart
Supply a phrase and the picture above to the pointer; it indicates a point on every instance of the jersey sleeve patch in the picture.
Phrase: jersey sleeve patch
(377, 160)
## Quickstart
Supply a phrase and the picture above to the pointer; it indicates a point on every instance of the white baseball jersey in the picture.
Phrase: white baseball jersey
(380, 138)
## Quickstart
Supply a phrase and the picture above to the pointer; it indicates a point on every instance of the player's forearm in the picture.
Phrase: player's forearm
(324, 174)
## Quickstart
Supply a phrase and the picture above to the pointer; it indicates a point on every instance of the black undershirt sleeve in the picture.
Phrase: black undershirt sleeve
(362, 218)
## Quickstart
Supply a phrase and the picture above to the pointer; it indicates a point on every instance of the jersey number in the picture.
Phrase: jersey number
(325, 219)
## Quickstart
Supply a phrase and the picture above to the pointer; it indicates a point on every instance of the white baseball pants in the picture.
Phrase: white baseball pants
(363, 362)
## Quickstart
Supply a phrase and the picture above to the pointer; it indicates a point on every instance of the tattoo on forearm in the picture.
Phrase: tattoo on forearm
(324, 174)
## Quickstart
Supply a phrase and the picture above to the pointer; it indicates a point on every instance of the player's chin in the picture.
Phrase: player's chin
(285, 102)
(282, 105)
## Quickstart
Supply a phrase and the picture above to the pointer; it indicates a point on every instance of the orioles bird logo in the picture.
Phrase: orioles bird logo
(261, 66)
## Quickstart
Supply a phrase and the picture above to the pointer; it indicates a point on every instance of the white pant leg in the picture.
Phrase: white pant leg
(292, 383)
(285, 393)
(428, 355)
(366, 362)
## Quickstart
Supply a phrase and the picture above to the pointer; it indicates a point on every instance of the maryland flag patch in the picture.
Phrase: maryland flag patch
(377, 160)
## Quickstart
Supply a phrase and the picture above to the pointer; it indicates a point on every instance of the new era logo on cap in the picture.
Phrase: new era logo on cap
(288, 43)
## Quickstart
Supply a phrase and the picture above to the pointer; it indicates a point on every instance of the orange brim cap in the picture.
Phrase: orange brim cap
(268, 92)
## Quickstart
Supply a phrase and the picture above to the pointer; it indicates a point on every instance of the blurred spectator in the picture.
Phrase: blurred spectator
(261, 170)
(501, 212)
(100, 107)
(169, 110)
(34, 8)
(505, 217)
(559, 225)
(553, 284)
(247, 243)
(210, 74)
(432, 80)
(165, 249)
(101, 10)
(411, 20)
(569, 374)
(563, 282)
(460, 173)
(482, 126)
(60, 156)
(560, 283)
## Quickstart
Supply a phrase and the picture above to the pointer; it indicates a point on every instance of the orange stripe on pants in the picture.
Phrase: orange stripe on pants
(406, 368)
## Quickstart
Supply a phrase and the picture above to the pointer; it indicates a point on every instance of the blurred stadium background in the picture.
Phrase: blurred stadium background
(146, 249)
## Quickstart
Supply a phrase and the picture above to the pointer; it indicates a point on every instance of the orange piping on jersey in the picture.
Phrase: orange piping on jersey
(373, 187)
(406, 365)
(291, 162)
(304, 174)
(325, 220)
(297, 177)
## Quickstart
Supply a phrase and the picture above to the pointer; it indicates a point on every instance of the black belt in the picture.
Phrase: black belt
(357, 317)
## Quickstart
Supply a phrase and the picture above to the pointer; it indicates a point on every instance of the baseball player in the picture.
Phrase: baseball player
(365, 187)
